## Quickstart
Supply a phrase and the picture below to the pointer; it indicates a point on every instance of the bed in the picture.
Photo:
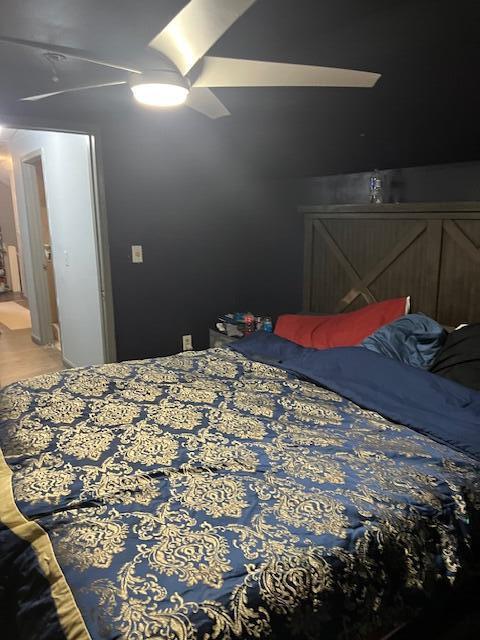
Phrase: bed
(261, 490)
(222, 494)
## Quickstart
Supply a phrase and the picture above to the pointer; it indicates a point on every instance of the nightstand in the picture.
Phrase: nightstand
(218, 339)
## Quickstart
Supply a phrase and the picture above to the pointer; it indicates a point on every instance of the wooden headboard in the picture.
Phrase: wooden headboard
(357, 254)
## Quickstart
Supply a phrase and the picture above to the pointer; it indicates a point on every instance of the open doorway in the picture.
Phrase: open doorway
(65, 276)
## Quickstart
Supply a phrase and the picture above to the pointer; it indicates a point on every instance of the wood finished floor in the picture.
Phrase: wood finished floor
(20, 357)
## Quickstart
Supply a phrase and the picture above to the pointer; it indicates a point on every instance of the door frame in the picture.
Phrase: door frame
(32, 201)
(100, 215)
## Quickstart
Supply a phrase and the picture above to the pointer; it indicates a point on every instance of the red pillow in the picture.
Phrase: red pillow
(341, 330)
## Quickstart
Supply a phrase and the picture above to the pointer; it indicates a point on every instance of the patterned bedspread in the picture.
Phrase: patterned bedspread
(209, 496)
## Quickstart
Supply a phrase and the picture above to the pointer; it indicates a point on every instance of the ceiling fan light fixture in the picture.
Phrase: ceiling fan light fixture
(155, 94)
(160, 89)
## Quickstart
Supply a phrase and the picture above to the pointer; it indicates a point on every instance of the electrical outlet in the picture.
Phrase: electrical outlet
(187, 343)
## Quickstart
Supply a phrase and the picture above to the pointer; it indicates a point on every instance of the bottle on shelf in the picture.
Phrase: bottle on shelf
(376, 188)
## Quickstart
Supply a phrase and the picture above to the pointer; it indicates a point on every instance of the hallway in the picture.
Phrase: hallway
(20, 357)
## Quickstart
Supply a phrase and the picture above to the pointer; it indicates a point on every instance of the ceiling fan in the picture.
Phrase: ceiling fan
(183, 43)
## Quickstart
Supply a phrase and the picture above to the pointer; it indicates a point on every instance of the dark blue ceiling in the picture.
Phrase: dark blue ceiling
(425, 109)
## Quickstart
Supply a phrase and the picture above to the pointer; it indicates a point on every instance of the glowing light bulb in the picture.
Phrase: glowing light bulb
(157, 94)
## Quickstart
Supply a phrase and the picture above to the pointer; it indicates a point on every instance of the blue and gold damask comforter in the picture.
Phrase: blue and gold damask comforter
(209, 495)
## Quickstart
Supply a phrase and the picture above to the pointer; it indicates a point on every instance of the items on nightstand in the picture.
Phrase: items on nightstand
(231, 330)
(249, 323)
(240, 323)
(267, 325)
(219, 339)
(232, 326)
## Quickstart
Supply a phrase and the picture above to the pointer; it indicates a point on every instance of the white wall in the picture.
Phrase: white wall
(69, 195)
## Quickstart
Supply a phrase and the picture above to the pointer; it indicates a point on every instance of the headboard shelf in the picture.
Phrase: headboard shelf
(357, 254)
(469, 210)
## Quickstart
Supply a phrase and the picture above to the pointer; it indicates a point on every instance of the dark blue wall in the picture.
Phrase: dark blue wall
(215, 237)
(434, 183)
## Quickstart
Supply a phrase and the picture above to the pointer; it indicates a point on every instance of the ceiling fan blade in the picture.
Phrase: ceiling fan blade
(231, 72)
(196, 28)
(69, 52)
(56, 93)
(206, 102)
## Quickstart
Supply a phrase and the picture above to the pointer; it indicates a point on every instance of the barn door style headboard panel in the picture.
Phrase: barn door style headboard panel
(359, 254)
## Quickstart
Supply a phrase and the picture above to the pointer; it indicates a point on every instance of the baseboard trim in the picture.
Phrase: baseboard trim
(68, 364)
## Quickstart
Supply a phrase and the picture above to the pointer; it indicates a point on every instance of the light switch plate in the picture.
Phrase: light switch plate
(137, 253)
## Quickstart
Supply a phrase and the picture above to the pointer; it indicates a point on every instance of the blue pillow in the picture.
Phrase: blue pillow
(414, 339)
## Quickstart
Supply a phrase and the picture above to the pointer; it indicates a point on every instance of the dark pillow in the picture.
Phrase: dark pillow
(459, 358)
(414, 339)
